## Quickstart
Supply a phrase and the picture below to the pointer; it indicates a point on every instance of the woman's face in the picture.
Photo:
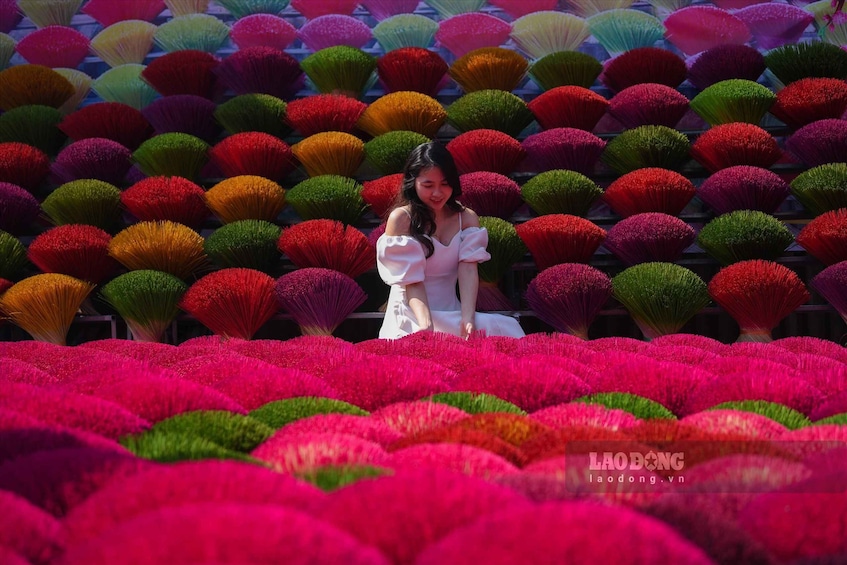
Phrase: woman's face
(432, 188)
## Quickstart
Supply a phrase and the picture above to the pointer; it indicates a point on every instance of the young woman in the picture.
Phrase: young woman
(430, 243)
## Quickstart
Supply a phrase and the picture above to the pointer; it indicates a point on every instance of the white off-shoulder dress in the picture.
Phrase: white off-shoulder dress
(401, 260)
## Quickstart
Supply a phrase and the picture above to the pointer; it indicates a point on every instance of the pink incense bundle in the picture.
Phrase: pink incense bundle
(328, 244)
(698, 28)
(649, 190)
(40, 463)
(743, 187)
(383, 9)
(773, 520)
(739, 143)
(318, 299)
(253, 153)
(324, 112)
(649, 236)
(531, 383)
(73, 249)
(648, 104)
(563, 148)
(403, 514)
(831, 283)
(531, 532)
(111, 120)
(725, 62)
(167, 198)
(54, 46)
(233, 530)
(334, 29)
(187, 482)
(758, 295)
(261, 70)
(108, 12)
(360, 426)
(491, 194)
(569, 296)
(560, 238)
(808, 100)
(825, 237)
(463, 33)
(417, 416)
(312, 9)
(568, 107)
(644, 65)
(233, 302)
(381, 194)
(412, 69)
(820, 142)
(187, 71)
(773, 25)
(518, 8)
(262, 30)
(486, 150)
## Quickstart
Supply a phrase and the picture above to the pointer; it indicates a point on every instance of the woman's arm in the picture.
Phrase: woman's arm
(399, 223)
(468, 282)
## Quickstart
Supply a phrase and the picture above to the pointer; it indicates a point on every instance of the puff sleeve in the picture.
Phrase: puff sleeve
(400, 259)
(473, 244)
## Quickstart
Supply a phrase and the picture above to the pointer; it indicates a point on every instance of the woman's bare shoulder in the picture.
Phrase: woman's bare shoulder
(469, 218)
(399, 222)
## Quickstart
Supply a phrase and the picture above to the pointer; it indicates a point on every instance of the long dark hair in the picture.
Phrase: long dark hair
(422, 157)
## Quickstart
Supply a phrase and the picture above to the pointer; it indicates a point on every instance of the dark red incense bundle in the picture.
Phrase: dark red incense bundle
(93, 158)
(820, 142)
(725, 62)
(381, 194)
(810, 99)
(23, 165)
(167, 198)
(262, 70)
(413, 69)
(318, 299)
(831, 283)
(486, 150)
(233, 303)
(563, 148)
(568, 107)
(650, 236)
(649, 190)
(560, 238)
(253, 153)
(110, 120)
(187, 71)
(324, 112)
(758, 295)
(642, 65)
(184, 113)
(569, 296)
(728, 145)
(328, 244)
(825, 237)
(491, 194)
(76, 250)
(743, 187)
(18, 209)
(648, 104)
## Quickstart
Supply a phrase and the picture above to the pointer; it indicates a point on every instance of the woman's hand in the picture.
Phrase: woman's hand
(467, 327)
